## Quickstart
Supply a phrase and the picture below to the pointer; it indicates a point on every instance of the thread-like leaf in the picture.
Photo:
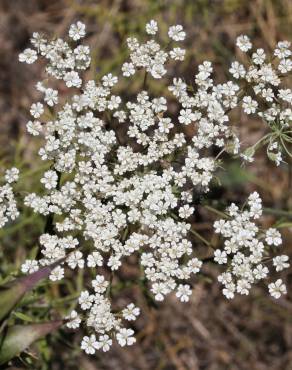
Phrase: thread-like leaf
(19, 337)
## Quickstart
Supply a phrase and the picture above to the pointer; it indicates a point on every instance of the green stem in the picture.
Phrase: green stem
(145, 80)
(214, 210)
(278, 212)
(200, 237)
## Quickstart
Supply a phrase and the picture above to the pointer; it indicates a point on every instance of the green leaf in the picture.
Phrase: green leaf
(10, 295)
(20, 337)
(284, 224)
(12, 292)
(23, 317)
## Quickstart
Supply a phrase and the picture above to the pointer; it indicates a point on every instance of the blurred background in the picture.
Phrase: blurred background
(249, 333)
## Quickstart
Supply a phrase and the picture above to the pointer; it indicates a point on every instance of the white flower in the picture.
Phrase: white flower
(131, 312)
(73, 320)
(37, 110)
(243, 287)
(177, 54)
(85, 300)
(152, 27)
(104, 343)
(259, 56)
(94, 259)
(229, 291)
(281, 262)
(51, 97)
(186, 211)
(114, 262)
(75, 259)
(159, 290)
(277, 288)
(249, 105)
(89, 344)
(28, 56)
(128, 69)
(109, 80)
(195, 265)
(285, 66)
(243, 42)
(237, 70)
(12, 175)
(273, 237)
(220, 257)
(99, 284)
(29, 266)
(282, 51)
(125, 338)
(176, 33)
(77, 31)
(34, 127)
(261, 272)
(183, 292)
(72, 79)
(50, 179)
(286, 95)
(57, 274)
(186, 116)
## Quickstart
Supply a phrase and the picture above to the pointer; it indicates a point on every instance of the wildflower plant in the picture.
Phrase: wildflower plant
(105, 200)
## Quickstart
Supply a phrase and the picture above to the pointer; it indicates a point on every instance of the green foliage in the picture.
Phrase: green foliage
(19, 337)
(16, 338)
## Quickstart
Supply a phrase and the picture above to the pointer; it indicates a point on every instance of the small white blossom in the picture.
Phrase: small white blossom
(249, 105)
(109, 80)
(57, 274)
(28, 56)
(128, 69)
(152, 27)
(277, 289)
(77, 31)
(243, 42)
(104, 343)
(12, 175)
(37, 110)
(73, 320)
(131, 312)
(29, 266)
(176, 33)
(89, 344)
(183, 292)
(186, 211)
(125, 338)
(72, 79)
(51, 97)
(220, 256)
(273, 237)
(50, 179)
(281, 262)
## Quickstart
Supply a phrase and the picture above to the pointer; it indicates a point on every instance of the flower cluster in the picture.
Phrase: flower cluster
(63, 62)
(247, 250)
(265, 94)
(104, 322)
(110, 199)
(8, 205)
(150, 56)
